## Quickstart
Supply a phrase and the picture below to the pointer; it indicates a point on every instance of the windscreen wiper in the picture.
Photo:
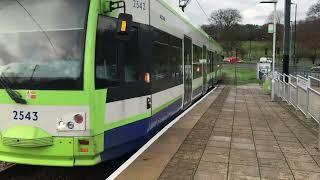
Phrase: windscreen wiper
(39, 26)
(14, 95)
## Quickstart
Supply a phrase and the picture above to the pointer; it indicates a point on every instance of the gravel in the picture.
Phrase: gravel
(5, 165)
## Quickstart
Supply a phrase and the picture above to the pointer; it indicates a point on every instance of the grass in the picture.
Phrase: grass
(258, 50)
(245, 75)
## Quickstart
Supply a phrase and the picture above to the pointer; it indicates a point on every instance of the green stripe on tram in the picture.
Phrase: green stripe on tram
(127, 121)
(158, 109)
(139, 117)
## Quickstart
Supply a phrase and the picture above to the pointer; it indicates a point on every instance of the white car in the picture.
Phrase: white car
(265, 60)
(315, 69)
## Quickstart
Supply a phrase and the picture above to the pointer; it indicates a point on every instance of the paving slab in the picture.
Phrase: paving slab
(276, 173)
(236, 133)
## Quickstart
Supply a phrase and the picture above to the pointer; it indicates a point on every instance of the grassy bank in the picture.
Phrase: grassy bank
(245, 75)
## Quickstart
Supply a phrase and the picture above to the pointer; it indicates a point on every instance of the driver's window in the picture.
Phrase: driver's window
(110, 71)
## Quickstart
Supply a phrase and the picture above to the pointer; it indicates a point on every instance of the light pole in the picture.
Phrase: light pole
(295, 32)
(274, 45)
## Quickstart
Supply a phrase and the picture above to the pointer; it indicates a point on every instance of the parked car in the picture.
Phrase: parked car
(232, 60)
(315, 69)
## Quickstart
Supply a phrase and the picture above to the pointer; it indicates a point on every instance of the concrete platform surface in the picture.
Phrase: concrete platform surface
(235, 133)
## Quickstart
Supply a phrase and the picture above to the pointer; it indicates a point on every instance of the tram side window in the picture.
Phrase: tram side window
(197, 67)
(160, 56)
(132, 57)
(108, 66)
(167, 61)
(175, 57)
(209, 61)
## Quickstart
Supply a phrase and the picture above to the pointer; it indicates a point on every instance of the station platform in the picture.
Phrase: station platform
(235, 133)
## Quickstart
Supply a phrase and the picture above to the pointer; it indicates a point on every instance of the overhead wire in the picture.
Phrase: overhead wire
(204, 12)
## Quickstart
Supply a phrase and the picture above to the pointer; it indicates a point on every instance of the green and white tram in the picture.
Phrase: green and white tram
(85, 81)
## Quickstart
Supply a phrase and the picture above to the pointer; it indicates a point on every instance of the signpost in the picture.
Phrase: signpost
(270, 28)
(274, 30)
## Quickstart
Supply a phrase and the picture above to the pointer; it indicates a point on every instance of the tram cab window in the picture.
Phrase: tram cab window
(117, 62)
(131, 52)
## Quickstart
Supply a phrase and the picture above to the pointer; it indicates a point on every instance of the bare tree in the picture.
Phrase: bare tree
(224, 27)
(279, 19)
(225, 19)
(309, 37)
(314, 11)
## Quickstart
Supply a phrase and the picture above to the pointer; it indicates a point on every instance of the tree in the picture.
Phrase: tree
(279, 19)
(314, 11)
(308, 35)
(225, 19)
(224, 27)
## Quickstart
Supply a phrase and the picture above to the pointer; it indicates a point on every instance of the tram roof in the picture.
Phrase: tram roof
(177, 11)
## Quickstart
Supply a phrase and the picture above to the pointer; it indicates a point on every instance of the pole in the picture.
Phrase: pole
(235, 68)
(274, 50)
(250, 50)
(286, 40)
(295, 33)
(291, 42)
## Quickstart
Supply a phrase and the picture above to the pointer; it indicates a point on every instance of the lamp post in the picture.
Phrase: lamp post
(274, 44)
(295, 32)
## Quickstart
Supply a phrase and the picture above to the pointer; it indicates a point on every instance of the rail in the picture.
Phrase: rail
(302, 93)
(5, 165)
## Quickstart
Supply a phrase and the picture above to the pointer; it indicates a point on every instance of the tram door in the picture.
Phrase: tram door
(187, 72)
(205, 69)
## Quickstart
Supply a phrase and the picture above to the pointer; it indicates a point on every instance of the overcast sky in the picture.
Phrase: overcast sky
(251, 11)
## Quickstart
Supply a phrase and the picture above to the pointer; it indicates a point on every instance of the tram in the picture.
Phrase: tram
(86, 81)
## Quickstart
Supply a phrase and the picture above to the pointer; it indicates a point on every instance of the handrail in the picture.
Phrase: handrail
(290, 81)
(315, 91)
(284, 79)
(303, 85)
(309, 85)
(311, 77)
(301, 77)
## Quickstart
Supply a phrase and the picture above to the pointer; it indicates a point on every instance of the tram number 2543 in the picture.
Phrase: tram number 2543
(22, 115)
(139, 4)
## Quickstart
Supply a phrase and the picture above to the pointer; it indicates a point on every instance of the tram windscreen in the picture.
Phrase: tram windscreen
(42, 43)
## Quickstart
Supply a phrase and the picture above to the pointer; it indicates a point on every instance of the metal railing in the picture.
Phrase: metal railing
(293, 91)
(302, 93)
(314, 98)
(302, 90)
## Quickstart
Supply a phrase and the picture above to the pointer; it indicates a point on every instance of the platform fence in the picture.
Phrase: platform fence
(300, 92)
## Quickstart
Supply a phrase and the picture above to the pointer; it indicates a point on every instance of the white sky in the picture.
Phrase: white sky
(251, 10)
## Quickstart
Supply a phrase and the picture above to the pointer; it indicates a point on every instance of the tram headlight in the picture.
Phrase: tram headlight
(61, 125)
(70, 125)
(72, 122)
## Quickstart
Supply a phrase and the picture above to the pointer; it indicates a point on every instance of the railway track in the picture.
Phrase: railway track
(5, 165)
(9, 171)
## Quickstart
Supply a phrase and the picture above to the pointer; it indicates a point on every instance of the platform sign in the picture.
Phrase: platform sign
(270, 28)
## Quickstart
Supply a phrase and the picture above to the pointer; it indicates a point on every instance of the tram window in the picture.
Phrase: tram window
(110, 70)
(175, 57)
(197, 54)
(211, 61)
(166, 61)
(197, 67)
(161, 63)
(107, 72)
(204, 52)
(132, 61)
